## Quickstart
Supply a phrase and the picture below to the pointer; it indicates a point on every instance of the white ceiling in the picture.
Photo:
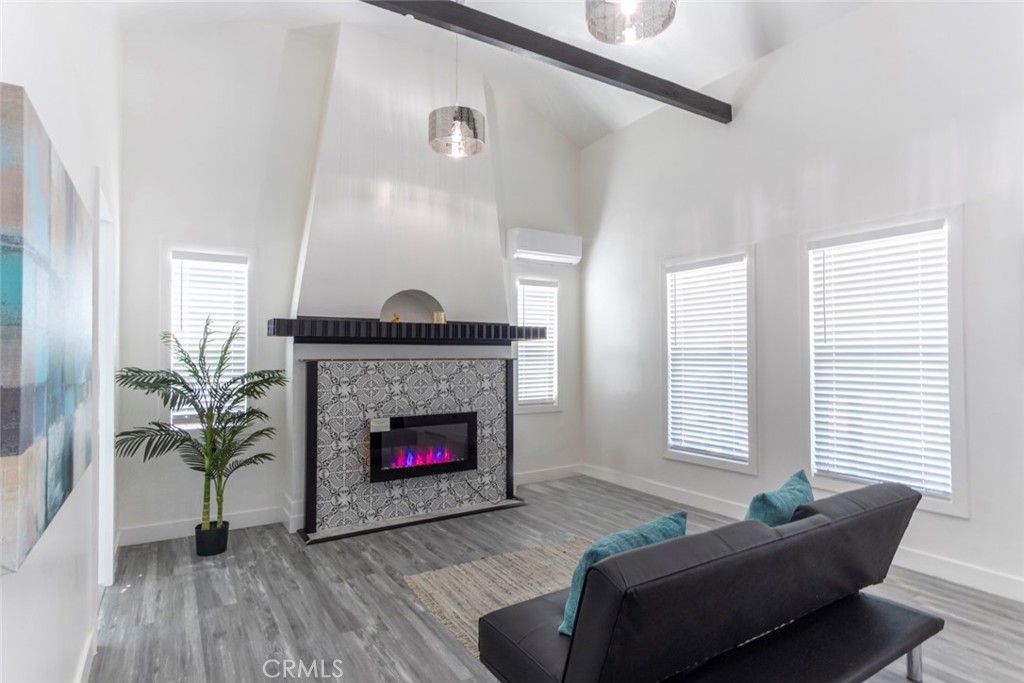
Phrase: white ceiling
(707, 41)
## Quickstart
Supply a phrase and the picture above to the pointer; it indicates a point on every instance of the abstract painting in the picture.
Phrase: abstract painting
(46, 275)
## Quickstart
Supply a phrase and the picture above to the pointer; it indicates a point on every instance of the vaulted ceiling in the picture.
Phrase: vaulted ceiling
(707, 41)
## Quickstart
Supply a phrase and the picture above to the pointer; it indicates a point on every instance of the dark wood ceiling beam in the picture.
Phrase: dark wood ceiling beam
(489, 29)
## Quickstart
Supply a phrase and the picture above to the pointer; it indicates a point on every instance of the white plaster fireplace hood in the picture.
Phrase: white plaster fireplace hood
(389, 214)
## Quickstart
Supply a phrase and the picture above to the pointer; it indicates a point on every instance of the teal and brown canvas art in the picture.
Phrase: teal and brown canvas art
(46, 275)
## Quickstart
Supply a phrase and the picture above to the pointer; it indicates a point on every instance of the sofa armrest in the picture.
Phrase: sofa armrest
(595, 626)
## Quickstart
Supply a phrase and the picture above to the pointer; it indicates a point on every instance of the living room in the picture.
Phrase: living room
(733, 311)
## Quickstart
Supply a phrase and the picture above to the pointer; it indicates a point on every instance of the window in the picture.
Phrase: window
(708, 357)
(880, 370)
(538, 359)
(214, 286)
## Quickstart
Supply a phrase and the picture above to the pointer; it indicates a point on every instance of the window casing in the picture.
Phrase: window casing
(880, 323)
(209, 286)
(537, 364)
(709, 407)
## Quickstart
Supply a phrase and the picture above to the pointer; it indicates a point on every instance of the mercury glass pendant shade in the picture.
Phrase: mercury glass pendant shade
(627, 21)
(456, 131)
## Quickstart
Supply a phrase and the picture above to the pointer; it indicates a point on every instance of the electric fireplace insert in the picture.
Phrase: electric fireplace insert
(418, 445)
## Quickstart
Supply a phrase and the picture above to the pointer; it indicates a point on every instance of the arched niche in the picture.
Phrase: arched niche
(412, 306)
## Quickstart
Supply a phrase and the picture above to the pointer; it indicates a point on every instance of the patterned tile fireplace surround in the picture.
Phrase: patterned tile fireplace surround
(342, 396)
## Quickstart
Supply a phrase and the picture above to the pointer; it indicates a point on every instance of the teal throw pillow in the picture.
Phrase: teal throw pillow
(655, 531)
(777, 507)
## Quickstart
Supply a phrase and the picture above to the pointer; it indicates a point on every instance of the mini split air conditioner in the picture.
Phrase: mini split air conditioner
(541, 245)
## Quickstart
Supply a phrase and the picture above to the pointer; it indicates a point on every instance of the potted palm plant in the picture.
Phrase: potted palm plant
(224, 431)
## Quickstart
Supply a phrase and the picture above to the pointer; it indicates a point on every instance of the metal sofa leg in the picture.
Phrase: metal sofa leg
(915, 666)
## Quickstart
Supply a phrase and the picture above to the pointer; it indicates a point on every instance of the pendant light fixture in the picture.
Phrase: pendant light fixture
(627, 21)
(456, 131)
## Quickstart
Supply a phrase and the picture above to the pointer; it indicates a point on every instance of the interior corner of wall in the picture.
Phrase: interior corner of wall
(314, 174)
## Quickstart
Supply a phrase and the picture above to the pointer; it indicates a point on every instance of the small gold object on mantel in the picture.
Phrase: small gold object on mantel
(439, 318)
(395, 318)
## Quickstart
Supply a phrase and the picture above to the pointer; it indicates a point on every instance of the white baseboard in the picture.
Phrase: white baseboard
(85, 658)
(955, 571)
(970, 575)
(183, 528)
(676, 494)
(547, 473)
(293, 515)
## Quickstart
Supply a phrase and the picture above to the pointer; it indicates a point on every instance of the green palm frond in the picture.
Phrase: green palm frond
(155, 439)
(193, 460)
(253, 386)
(236, 465)
(173, 389)
(148, 381)
(242, 419)
(182, 355)
(238, 445)
(204, 341)
(225, 352)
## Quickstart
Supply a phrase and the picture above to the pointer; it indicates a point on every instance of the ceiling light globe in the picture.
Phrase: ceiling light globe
(456, 131)
(627, 21)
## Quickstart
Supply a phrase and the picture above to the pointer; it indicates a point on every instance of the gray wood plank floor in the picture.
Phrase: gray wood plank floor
(174, 618)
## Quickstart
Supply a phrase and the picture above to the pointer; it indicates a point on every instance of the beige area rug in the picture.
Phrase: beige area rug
(459, 595)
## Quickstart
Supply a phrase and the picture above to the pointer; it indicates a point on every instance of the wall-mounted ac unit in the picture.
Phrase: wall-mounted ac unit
(541, 245)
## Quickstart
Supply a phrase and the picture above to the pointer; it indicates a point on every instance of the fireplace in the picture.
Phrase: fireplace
(418, 445)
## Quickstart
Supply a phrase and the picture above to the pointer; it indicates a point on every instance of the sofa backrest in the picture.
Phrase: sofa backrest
(654, 612)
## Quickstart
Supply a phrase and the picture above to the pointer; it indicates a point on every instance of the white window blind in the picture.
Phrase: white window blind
(538, 359)
(880, 359)
(708, 402)
(209, 286)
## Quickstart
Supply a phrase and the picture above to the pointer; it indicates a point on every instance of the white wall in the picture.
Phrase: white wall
(66, 57)
(896, 108)
(537, 180)
(220, 123)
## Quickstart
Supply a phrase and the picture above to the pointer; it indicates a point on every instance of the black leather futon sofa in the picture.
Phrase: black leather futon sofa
(743, 603)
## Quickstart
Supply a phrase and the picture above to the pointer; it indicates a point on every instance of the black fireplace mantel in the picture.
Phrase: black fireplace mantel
(317, 330)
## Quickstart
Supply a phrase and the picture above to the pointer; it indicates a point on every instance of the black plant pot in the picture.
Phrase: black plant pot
(213, 541)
